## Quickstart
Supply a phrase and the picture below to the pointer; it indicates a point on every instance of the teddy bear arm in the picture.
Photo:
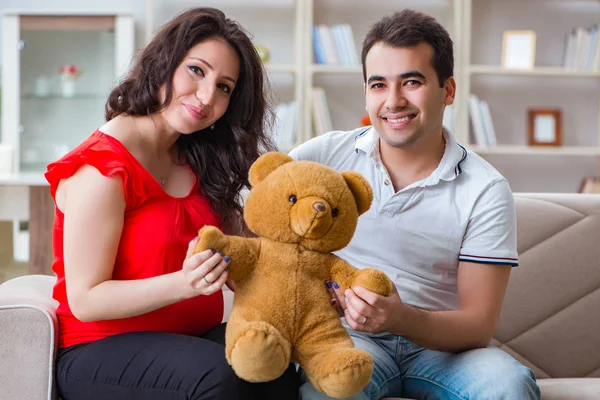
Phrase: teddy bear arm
(244, 254)
(342, 272)
(211, 237)
(348, 276)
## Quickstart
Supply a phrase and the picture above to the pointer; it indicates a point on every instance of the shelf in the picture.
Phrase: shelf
(280, 68)
(79, 96)
(67, 12)
(30, 178)
(540, 150)
(335, 69)
(538, 71)
(224, 4)
(382, 4)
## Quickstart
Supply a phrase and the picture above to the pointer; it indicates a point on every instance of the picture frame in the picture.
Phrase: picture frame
(518, 49)
(545, 127)
(590, 185)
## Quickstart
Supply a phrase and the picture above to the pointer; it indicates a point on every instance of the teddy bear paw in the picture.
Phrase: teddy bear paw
(374, 281)
(260, 353)
(211, 237)
(350, 372)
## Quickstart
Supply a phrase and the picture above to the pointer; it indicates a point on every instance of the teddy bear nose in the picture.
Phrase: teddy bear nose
(320, 207)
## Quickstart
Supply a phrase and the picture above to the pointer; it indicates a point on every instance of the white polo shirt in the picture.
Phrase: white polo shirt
(463, 211)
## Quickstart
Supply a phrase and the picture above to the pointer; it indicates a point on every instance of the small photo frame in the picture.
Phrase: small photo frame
(518, 49)
(545, 127)
(590, 185)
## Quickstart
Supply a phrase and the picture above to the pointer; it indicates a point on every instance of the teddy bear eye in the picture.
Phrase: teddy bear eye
(293, 199)
(334, 212)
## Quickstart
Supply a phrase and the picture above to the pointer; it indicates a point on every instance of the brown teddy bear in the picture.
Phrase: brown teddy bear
(301, 211)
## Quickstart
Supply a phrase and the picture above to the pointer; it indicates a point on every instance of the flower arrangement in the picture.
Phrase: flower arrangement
(69, 71)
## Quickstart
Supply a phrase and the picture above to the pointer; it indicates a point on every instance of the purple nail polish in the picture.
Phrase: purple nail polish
(213, 251)
(226, 259)
(328, 284)
(335, 285)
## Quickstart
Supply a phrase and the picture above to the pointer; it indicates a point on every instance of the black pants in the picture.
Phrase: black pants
(161, 366)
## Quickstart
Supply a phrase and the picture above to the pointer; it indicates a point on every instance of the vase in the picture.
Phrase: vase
(67, 86)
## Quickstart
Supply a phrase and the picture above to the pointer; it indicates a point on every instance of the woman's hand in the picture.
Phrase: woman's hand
(338, 299)
(205, 272)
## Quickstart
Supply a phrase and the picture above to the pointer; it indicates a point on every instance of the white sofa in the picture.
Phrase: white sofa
(550, 319)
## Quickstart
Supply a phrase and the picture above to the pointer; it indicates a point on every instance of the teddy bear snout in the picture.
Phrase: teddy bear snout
(311, 217)
(320, 207)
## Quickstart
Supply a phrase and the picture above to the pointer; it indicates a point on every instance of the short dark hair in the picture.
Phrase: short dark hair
(220, 157)
(408, 28)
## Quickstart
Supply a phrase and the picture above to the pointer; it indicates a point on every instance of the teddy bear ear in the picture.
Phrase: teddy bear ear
(360, 188)
(266, 164)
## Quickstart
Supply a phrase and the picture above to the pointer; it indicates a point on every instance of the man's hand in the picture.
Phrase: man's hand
(366, 311)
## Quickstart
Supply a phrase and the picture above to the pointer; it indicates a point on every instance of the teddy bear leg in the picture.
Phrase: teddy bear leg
(334, 366)
(256, 350)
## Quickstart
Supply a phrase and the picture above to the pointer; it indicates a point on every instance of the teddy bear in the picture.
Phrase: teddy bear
(301, 212)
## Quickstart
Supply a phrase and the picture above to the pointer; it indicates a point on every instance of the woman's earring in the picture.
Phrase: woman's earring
(212, 127)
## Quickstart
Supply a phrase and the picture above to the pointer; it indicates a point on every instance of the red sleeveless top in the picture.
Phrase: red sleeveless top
(156, 232)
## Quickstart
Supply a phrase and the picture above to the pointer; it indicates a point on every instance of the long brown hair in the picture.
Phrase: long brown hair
(222, 156)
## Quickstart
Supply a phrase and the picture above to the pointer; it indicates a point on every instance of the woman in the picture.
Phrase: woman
(139, 318)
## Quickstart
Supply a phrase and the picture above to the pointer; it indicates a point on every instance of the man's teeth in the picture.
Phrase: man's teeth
(406, 118)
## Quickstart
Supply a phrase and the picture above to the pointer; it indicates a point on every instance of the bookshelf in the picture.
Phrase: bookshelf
(476, 27)
(553, 83)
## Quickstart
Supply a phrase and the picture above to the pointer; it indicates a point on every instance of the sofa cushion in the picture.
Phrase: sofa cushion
(570, 388)
(548, 319)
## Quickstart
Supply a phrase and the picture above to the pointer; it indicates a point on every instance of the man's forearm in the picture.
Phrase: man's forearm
(449, 331)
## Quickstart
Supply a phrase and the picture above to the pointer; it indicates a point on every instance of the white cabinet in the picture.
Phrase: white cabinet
(46, 113)
(43, 116)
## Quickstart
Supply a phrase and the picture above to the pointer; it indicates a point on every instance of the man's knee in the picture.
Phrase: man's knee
(517, 382)
(506, 378)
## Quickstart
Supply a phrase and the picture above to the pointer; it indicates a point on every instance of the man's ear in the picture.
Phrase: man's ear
(450, 91)
(266, 164)
(361, 190)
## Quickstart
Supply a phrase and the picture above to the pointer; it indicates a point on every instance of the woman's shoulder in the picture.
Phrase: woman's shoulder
(102, 151)
(119, 133)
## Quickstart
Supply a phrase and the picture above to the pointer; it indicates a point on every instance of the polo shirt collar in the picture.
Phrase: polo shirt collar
(367, 141)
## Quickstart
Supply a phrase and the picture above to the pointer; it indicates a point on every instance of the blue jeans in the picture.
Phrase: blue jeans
(404, 369)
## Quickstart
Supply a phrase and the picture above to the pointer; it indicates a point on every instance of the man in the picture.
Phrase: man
(442, 226)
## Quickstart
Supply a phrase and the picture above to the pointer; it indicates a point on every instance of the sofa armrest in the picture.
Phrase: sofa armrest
(29, 337)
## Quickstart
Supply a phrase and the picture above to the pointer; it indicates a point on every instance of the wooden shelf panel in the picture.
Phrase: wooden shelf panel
(383, 4)
(538, 71)
(541, 150)
(68, 22)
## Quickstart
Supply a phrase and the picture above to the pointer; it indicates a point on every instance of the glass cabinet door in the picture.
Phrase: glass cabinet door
(58, 71)
(66, 76)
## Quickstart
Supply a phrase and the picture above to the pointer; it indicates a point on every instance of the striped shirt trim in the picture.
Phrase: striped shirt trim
(488, 260)
(361, 134)
(458, 169)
